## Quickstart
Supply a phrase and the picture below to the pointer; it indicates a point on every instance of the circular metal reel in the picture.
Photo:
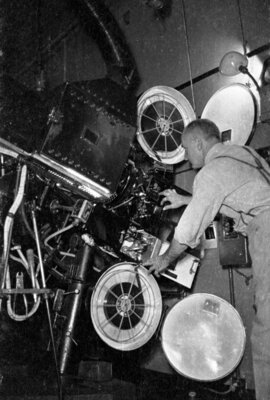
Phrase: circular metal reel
(203, 337)
(233, 109)
(126, 306)
(163, 113)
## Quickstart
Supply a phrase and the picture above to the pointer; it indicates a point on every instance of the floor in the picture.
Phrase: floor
(32, 383)
(27, 371)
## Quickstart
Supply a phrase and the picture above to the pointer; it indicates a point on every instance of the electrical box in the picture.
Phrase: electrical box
(233, 247)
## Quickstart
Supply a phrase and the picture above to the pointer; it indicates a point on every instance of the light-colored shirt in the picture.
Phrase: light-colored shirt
(228, 186)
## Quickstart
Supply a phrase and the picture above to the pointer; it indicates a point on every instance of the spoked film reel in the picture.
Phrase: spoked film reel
(163, 112)
(126, 306)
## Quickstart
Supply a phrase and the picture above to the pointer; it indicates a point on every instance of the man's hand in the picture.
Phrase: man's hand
(157, 264)
(176, 200)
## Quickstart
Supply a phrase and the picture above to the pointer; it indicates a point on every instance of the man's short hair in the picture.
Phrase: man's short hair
(208, 129)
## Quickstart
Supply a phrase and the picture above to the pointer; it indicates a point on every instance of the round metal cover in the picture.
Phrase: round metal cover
(233, 109)
(203, 337)
(163, 112)
(126, 306)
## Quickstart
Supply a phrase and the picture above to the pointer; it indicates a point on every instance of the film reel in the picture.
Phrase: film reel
(163, 112)
(126, 306)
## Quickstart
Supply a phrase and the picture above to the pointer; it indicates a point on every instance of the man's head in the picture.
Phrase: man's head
(197, 139)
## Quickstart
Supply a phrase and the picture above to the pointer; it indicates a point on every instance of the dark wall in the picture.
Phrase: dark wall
(185, 40)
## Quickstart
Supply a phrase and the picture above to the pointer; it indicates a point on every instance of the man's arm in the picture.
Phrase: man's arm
(174, 199)
(159, 264)
(207, 198)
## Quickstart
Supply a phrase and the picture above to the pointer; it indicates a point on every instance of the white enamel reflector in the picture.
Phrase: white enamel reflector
(234, 110)
(203, 337)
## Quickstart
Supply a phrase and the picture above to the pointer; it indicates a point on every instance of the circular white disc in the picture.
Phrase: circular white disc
(163, 112)
(233, 109)
(126, 306)
(203, 337)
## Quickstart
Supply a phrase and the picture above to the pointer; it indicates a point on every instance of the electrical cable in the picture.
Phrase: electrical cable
(242, 28)
(58, 233)
(188, 56)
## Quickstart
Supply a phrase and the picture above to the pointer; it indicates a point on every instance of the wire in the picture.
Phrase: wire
(220, 392)
(58, 233)
(188, 56)
(43, 285)
(242, 28)
(121, 204)
(247, 277)
(253, 80)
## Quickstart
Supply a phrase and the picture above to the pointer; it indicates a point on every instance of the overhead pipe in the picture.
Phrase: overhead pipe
(103, 28)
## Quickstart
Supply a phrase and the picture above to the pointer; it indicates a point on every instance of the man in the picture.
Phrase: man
(233, 180)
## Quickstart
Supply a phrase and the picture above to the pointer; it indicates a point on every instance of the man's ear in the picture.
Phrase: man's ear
(199, 143)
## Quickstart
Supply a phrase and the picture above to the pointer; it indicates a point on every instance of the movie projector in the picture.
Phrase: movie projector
(86, 212)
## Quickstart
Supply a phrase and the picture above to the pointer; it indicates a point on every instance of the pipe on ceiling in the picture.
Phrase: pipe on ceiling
(103, 28)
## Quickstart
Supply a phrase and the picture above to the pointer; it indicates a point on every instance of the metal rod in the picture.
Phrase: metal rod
(43, 282)
(231, 285)
(25, 291)
(237, 373)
